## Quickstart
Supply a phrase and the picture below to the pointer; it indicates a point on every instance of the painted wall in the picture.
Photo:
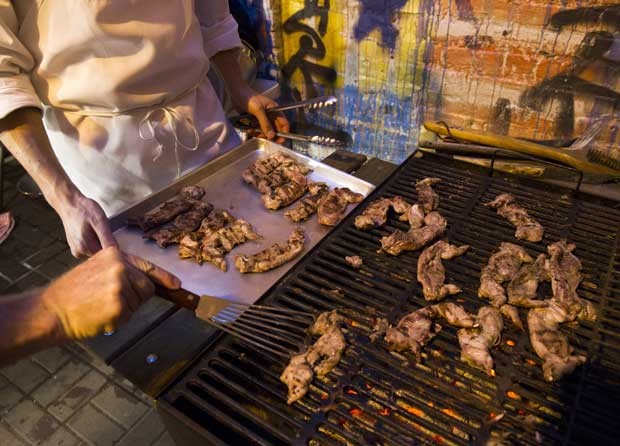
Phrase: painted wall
(536, 69)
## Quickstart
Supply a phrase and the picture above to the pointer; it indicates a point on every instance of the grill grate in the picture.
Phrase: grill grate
(373, 397)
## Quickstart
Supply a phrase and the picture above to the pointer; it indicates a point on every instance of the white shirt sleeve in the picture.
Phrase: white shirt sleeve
(219, 28)
(16, 63)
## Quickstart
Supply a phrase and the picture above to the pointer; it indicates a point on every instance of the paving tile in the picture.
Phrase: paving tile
(145, 432)
(9, 397)
(120, 405)
(10, 266)
(67, 259)
(52, 358)
(63, 437)
(44, 255)
(95, 427)
(8, 438)
(25, 374)
(60, 382)
(27, 282)
(81, 392)
(31, 421)
(165, 440)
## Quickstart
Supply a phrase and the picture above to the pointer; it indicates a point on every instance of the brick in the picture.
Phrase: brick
(25, 374)
(52, 358)
(9, 397)
(81, 392)
(60, 382)
(62, 437)
(145, 432)
(8, 438)
(95, 427)
(120, 405)
(165, 440)
(30, 420)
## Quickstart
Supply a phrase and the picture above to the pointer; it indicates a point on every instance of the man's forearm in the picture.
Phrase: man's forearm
(27, 327)
(227, 63)
(22, 132)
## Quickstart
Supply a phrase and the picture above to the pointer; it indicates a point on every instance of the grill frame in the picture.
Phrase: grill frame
(568, 403)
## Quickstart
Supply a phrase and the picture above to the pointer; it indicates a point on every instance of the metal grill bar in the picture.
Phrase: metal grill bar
(373, 397)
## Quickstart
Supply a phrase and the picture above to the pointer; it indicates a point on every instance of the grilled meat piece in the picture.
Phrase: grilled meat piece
(355, 261)
(414, 215)
(524, 285)
(332, 206)
(169, 210)
(413, 239)
(309, 204)
(512, 313)
(287, 193)
(215, 246)
(267, 173)
(297, 376)
(427, 197)
(376, 213)
(476, 342)
(325, 321)
(182, 225)
(431, 272)
(414, 330)
(379, 327)
(527, 227)
(549, 343)
(272, 257)
(502, 266)
(325, 354)
(190, 244)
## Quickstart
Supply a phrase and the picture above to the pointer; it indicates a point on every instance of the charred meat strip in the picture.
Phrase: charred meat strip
(476, 342)
(169, 210)
(297, 376)
(214, 247)
(273, 256)
(549, 343)
(333, 205)
(414, 215)
(325, 321)
(325, 354)
(287, 193)
(189, 246)
(309, 204)
(399, 241)
(182, 225)
(502, 267)
(524, 285)
(376, 213)
(527, 227)
(416, 329)
(427, 197)
(431, 272)
(355, 261)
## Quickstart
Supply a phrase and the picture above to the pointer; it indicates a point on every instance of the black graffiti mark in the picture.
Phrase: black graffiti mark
(310, 45)
(606, 15)
(378, 14)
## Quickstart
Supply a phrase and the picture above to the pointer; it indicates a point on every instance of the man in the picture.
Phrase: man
(106, 102)
(92, 298)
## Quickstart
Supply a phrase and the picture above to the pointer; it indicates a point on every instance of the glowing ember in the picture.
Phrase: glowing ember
(530, 361)
(449, 412)
(521, 412)
(492, 372)
(385, 412)
(511, 343)
(351, 392)
(415, 411)
(355, 412)
(513, 395)
(324, 397)
(368, 386)
(438, 439)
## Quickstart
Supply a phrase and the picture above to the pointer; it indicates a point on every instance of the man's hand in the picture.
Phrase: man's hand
(257, 105)
(86, 225)
(102, 292)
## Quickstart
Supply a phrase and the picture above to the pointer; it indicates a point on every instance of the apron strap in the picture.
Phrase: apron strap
(172, 118)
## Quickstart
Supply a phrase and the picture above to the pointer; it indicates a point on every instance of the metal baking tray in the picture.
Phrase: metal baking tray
(225, 189)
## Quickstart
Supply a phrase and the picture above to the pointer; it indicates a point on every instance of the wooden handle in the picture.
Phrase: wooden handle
(519, 145)
(180, 297)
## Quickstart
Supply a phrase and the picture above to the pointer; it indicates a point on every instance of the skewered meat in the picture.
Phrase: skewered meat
(549, 343)
(297, 376)
(332, 206)
(400, 241)
(414, 215)
(527, 227)
(182, 225)
(524, 285)
(325, 321)
(431, 272)
(190, 244)
(427, 197)
(272, 257)
(376, 213)
(215, 246)
(355, 261)
(309, 204)
(476, 342)
(512, 313)
(169, 210)
(325, 354)
(414, 330)
(502, 266)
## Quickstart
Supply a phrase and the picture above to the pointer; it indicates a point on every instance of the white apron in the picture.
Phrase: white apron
(127, 104)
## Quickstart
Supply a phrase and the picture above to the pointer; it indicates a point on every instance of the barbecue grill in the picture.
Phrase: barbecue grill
(232, 394)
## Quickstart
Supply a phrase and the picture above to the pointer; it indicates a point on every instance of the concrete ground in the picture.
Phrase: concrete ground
(63, 396)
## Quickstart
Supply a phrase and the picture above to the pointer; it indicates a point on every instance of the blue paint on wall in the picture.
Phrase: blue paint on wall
(379, 14)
